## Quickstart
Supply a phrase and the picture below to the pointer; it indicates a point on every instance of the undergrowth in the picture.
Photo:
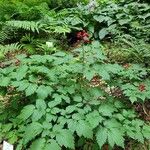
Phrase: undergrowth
(71, 78)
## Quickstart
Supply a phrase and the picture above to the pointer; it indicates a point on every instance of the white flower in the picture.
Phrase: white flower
(49, 44)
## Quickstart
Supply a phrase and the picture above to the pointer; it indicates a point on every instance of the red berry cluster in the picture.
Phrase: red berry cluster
(84, 36)
(126, 66)
(142, 87)
(17, 62)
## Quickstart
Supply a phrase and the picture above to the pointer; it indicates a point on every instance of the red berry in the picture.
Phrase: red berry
(17, 62)
(79, 34)
(126, 66)
(85, 34)
(142, 87)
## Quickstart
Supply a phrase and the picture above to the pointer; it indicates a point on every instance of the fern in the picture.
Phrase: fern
(10, 47)
(3, 36)
(5, 32)
(26, 25)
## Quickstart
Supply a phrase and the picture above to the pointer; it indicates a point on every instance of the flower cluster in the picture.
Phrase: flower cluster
(142, 87)
(84, 36)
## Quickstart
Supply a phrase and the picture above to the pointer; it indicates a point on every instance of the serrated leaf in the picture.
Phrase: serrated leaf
(21, 72)
(31, 131)
(54, 103)
(146, 131)
(89, 74)
(5, 81)
(65, 138)
(96, 92)
(94, 118)
(22, 85)
(83, 129)
(133, 99)
(104, 74)
(70, 109)
(41, 105)
(43, 91)
(78, 116)
(26, 112)
(55, 110)
(107, 110)
(77, 98)
(124, 21)
(100, 18)
(38, 58)
(38, 144)
(52, 146)
(31, 89)
(115, 136)
(101, 136)
(139, 136)
(72, 125)
(112, 123)
(7, 127)
(37, 115)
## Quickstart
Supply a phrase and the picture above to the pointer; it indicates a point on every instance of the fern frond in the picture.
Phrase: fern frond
(26, 25)
(10, 47)
(3, 36)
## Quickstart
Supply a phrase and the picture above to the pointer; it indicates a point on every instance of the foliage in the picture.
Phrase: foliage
(78, 76)
(62, 105)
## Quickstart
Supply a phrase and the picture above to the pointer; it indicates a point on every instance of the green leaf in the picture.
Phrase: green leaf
(124, 21)
(65, 138)
(31, 89)
(96, 92)
(103, 73)
(112, 123)
(19, 146)
(38, 144)
(54, 103)
(52, 146)
(115, 136)
(101, 136)
(77, 98)
(22, 85)
(72, 125)
(41, 105)
(7, 127)
(94, 119)
(139, 136)
(26, 112)
(100, 18)
(107, 110)
(83, 129)
(146, 131)
(89, 74)
(21, 72)
(102, 33)
(70, 109)
(5, 81)
(37, 115)
(43, 91)
(55, 110)
(133, 99)
(31, 131)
